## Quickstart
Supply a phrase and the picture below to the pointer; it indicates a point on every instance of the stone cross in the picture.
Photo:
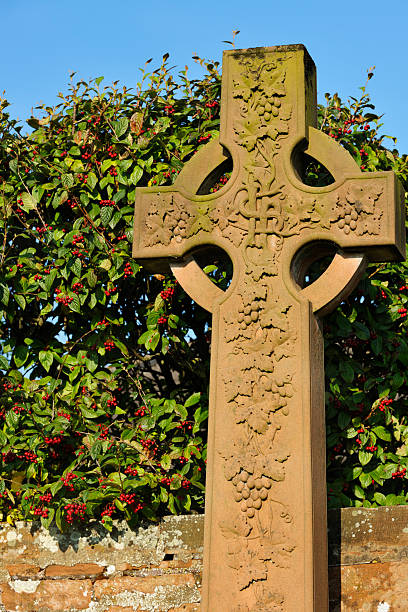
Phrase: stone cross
(265, 517)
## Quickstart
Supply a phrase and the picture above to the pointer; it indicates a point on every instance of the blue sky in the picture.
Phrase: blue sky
(42, 42)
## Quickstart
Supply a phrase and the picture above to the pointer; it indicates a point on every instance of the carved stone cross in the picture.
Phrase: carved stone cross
(265, 516)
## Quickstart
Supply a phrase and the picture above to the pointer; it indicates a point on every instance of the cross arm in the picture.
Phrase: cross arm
(360, 212)
(172, 221)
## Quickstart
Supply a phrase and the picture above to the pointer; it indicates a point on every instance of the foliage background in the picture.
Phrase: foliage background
(43, 41)
(104, 369)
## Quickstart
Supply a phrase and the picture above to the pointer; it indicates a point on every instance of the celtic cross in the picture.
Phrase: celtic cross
(265, 519)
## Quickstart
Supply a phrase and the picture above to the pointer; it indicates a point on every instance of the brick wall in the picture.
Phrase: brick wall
(158, 568)
(155, 568)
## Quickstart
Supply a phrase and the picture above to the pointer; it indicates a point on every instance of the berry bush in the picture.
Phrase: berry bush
(104, 368)
(366, 352)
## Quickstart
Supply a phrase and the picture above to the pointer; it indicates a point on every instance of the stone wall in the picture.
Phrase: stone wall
(158, 568)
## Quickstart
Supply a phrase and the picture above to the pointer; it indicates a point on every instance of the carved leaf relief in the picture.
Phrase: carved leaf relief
(160, 220)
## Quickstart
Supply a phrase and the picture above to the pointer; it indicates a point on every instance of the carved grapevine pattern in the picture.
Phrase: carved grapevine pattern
(356, 210)
(259, 395)
(160, 220)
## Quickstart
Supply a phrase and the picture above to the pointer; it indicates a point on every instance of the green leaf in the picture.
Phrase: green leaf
(182, 411)
(343, 420)
(91, 362)
(91, 181)
(356, 471)
(382, 433)
(158, 303)
(20, 299)
(91, 278)
(13, 165)
(92, 301)
(161, 124)
(11, 419)
(187, 503)
(376, 345)
(119, 195)
(107, 523)
(120, 126)
(49, 279)
(364, 457)
(358, 491)
(398, 380)
(117, 216)
(46, 522)
(67, 181)
(171, 505)
(107, 163)
(20, 355)
(122, 179)
(75, 305)
(154, 341)
(29, 202)
(4, 364)
(165, 462)
(145, 337)
(380, 498)
(31, 471)
(136, 175)
(76, 267)
(346, 371)
(47, 308)
(4, 294)
(106, 215)
(77, 166)
(353, 315)
(192, 400)
(59, 519)
(91, 414)
(165, 345)
(61, 198)
(121, 346)
(46, 358)
(365, 480)
(362, 331)
(392, 500)
(96, 449)
(163, 495)
(378, 475)
(105, 264)
(106, 180)
(55, 487)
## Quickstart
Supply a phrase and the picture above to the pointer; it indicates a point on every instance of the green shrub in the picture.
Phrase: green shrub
(104, 369)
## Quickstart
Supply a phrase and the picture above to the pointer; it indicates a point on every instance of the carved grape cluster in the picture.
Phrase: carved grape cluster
(250, 491)
(268, 108)
(347, 218)
(249, 313)
(180, 231)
